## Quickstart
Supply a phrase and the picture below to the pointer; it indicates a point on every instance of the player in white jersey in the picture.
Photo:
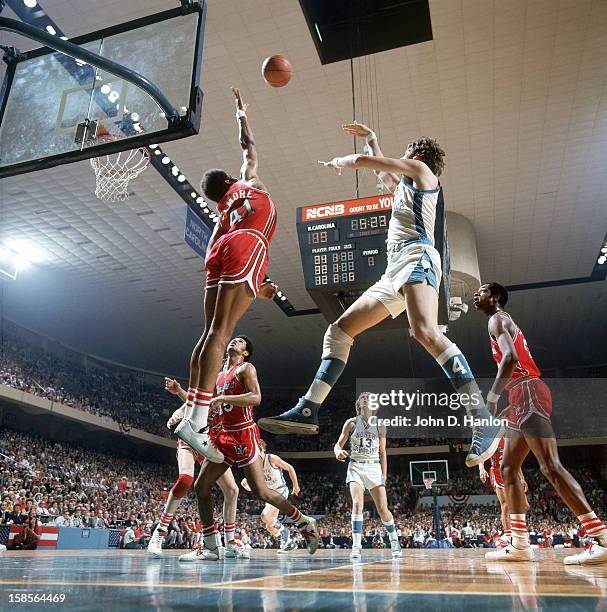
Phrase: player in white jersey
(410, 282)
(273, 468)
(367, 470)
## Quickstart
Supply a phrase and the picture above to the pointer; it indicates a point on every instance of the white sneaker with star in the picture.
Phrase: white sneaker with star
(155, 544)
(510, 553)
(593, 555)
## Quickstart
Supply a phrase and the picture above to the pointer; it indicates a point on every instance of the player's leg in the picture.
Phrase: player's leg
(515, 451)
(422, 311)
(357, 493)
(210, 298)
(504, 540)
(229, 488)
(305, 524)
(185, 463)
(208, 476)
(231, 303)
(380, 499)
(541, 439)
(364, 313)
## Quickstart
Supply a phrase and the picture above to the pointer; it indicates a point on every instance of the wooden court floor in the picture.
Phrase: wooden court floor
(420, 580)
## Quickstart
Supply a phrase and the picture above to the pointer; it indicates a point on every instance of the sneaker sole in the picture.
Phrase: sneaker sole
(288, 427)
(192, 444)
(476, 459)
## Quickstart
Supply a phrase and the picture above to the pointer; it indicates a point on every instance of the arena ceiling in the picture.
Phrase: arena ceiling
(514, 90)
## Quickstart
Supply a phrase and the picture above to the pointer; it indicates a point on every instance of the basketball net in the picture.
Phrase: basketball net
(114, 172)
(429, 481)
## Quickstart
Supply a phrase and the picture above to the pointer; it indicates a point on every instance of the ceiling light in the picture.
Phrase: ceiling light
(51, 30)
(30, 3)
(175, 170)
(153, 146)
(199, 200)
(166, 160)
(284, 298)
(105, 89)
(181, 178)
(26, 249)
(604, 249)
(65, 38)
(157, 152)
(21, 263)
(134, 117)
(601, 260)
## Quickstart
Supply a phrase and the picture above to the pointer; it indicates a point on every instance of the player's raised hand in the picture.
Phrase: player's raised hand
(172, 386)
(267, 291)
(482, 473)
(240, 105)
(217, 400)
(341, 455)
(244, 483)
(356, 129)
(295, 491)
(334, 163)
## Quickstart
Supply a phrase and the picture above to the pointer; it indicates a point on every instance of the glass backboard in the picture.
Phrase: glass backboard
(48, 94)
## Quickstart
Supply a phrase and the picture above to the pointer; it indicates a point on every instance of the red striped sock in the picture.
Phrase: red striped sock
(508, 533)
(520, 535)
(594, 527)
(229, 531)
(200, 408)
(210, 536)
(163, 523)
(297, 517)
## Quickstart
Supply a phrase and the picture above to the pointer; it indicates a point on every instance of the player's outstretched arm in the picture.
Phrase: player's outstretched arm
(389, 179)
(276, 461)
(338, 449)
(248, 170)
(482, 472)
(413, 168)
(503, 331)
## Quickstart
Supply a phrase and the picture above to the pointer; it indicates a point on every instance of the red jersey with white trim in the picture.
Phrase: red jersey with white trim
(526, 367)
(245, 207)
(496, 458)
(233, 418)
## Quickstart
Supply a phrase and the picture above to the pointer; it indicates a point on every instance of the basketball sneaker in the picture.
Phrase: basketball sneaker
(200, 553)
(287, 547)
(309, 531)
(395, 546)
(510, 553)
(199, 441)
(485, 440)
(236, 550)
(301, 420)
(356, 552)
(593, 555)
(155, 545)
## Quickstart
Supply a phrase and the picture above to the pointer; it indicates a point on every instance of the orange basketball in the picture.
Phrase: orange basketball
(276, 70)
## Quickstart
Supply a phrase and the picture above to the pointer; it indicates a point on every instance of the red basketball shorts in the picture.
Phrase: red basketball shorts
(240, 447)
(238, 257)
(528, 397)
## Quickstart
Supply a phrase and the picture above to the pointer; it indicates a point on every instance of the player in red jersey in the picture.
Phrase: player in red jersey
(236, 436)
(237, 257)
(496, 480)
(186, 460)
(529, 429)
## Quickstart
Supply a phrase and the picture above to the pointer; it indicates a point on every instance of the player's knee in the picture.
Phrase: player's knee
(230, 494)
(552, 469)
(509, 474)
(181, 487)
(265, 517)
(425, 333)
(219, 334)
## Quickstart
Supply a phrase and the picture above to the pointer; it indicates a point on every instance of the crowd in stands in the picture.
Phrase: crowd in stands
(66, 485)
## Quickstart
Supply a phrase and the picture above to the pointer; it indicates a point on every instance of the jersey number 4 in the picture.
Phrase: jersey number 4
(240, 213)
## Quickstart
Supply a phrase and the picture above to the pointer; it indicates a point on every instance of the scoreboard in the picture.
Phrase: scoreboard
(343, 248)
(344, 244)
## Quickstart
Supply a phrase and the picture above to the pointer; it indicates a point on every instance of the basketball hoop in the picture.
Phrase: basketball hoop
(429, 481)
(114, 172)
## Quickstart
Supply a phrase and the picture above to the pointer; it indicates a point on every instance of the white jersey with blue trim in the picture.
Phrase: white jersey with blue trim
(413, 214)
(364, 441)
(273, 475)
